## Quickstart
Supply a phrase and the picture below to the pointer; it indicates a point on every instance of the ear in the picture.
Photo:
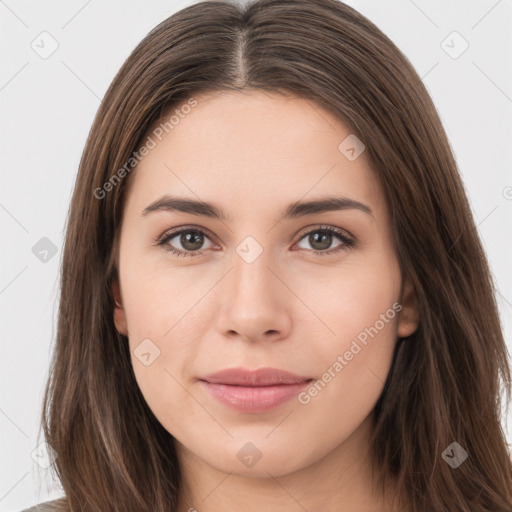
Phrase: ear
(409, 317)
(119, 313)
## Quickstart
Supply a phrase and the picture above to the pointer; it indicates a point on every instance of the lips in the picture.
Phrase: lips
(253, 391)
(259, 377)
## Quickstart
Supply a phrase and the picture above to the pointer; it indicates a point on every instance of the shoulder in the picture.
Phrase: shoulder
(58, 505)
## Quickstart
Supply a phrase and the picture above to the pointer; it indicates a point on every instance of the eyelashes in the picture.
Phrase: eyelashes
(327, 234)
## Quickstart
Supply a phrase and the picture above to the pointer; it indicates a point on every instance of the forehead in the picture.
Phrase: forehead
(251, 150)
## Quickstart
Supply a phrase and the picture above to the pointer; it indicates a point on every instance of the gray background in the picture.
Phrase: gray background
(47, 108)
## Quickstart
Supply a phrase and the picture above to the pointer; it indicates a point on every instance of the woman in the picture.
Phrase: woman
(273, 292)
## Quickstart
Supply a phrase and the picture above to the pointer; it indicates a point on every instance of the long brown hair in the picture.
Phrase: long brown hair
(444, 383)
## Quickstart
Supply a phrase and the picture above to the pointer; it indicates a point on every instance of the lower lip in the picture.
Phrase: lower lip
(254, 399)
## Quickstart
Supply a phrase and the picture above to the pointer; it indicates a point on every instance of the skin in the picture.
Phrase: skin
(253, 154)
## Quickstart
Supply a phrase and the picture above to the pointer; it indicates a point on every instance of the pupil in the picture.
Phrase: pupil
(191, 240)
(325, 243)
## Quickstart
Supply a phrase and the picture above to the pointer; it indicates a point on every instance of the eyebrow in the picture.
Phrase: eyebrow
(293, 211)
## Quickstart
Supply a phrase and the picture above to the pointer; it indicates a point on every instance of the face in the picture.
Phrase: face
(249, 283)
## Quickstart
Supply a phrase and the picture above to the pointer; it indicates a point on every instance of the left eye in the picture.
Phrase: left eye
(324, 237)
(192, 240)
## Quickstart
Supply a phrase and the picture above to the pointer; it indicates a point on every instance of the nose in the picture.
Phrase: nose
(255, 302)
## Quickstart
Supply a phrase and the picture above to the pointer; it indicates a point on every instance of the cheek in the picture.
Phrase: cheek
(158, 294)
(356, 298)
(352, 371)
(159, 307)
(360, 310)
(160, 363)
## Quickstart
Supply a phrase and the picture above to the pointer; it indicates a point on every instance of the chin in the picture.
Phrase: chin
(260, 458)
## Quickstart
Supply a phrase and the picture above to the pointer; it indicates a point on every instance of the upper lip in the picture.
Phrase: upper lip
(254, 378)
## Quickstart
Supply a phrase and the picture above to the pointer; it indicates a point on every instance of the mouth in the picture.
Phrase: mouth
(254, 391)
